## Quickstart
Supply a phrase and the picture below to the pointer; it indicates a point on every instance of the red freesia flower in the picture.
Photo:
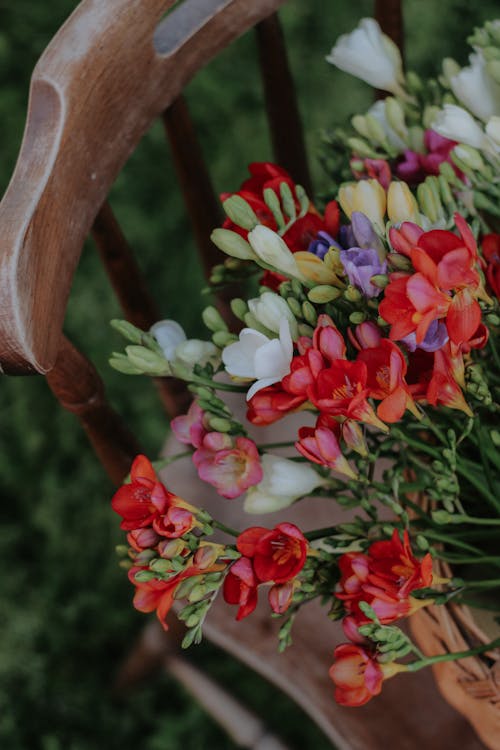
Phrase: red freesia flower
(356, 674)
(190, 428)
(433, 378)
(445, 285)
(384, 577)
(272, 403)
(280, 596)
(375, 169)
(491, 253)
(240, 587)
(320, 444)
(231, 466)
(145, 502)
(277, 554)
(386, 367)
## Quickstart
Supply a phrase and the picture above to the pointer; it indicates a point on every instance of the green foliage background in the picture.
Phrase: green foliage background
(65, 613)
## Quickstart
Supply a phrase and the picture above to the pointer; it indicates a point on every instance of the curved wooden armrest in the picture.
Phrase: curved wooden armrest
(109, 71)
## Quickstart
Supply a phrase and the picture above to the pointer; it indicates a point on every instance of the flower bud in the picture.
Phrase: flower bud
(223, 338)
(196, 352)
(360, 125)
(493, 129)
(380, 280)
(121, 363)
(205, 556)
(468, 157)
(352, 294)
(239, 308)
(240, 212)
(169, 334)
(294, 306)
(361, 148)
(232, 244)
(272, 250)
(273, 203)
(367, 196)
(147, 362)
(283, 482)
(269, 309)
(220, 424)
(170, 548)
(213, 319)
(357, 317)
(324, 293)
(309, 313)
(401, 205)
(129, 331)
(376, 132)
(395, 116)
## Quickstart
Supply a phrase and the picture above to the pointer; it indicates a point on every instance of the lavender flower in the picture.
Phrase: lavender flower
(360, 264)
(321, 244)
(434, 339)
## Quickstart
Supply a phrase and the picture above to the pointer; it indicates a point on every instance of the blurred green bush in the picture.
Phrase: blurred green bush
(65, 611)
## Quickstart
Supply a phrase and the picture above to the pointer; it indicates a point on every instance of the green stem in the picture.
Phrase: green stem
(225, 529)
(162, 462)
(421, 663)
(217, 385)
(456, 560)
(270, 446)
(492, 583)
(320, 533)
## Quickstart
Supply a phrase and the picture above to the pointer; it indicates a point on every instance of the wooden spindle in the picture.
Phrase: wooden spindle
(389, 14)
(79, 389)
(200, 199)
(135, 300)
(285, 124)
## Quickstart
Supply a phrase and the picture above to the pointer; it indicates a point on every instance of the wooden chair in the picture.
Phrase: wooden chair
(110, 71)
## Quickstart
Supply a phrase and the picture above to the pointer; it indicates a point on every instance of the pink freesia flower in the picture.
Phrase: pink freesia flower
(230, 465)
(189, 428)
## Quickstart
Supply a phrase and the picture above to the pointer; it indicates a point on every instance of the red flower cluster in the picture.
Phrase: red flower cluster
(383, 578)
(445, 285)
(321, 376)
(156, 520)
(302, 232)
(268, 556)
(491, 253)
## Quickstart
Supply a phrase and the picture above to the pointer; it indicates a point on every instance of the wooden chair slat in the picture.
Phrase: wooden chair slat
(199, 197)
(135, 300)
(102, 59)
(389, 14)
(285, 124)
(79, 389)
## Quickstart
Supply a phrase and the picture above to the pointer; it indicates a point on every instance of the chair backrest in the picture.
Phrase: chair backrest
(108, 73)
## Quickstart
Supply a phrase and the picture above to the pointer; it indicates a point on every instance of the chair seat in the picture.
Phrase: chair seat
(409, 713)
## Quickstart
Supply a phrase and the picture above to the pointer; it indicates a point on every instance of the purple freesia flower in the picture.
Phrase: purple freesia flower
(360, 264)
(360, 233)
(321, 244)
(434, 339)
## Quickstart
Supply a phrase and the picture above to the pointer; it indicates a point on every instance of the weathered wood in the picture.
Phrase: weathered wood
(137, 304)
(79, 389)
(106, 56)
(285, 124)
(389, 14)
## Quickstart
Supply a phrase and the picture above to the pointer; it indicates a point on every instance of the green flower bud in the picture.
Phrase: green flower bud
(493, 68)
(399, 262)
(213, 319)
(416, 138)
(376, 132)
(361, 148)
(395, 115)
(422, 543)
(309, 313)
(192, 621)
(295, 306)
(357, 317)
(413, 82)
(143, 576)
(352, 294)
(224, 338)
(239, 308)
(147, 361)
(232, 244)
(121, 363)
(288, 200)
(305, 330)
(491, 53)
(324, 293)
(380, 280)
(360, 124)
(197, 593)
(129, 331)
(468, 157)
(273, 203)
(240, 212)
(160, 565)
(220, 424)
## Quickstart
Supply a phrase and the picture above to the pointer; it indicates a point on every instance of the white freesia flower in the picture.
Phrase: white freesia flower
(169, 334)
(196, 352)
(457, 124)
(476, 90)
(369, 54)
(177, 348)
(273, 250)
(255, 356)
(493, 130)
(269, 309)
(284, 481)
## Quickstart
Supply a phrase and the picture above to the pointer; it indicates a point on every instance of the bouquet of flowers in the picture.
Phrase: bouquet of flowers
(376, 321)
